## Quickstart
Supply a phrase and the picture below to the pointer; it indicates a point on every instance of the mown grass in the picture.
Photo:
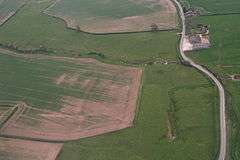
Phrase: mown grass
(31, 29)
(195, 113)
(223, 58)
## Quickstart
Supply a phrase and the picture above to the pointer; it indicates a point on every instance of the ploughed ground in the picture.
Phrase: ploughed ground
(108, 103)
(14, 149)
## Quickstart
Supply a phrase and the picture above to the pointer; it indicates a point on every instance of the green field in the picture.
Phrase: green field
(223, 58)
(174, 100)
(110, 16)
(166, 89)
(30, 29)
(215, 6)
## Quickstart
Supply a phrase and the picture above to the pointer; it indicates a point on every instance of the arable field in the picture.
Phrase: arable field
(75, 97)
(170, 93)
(5, 112)
(31, 29)
(169, 116)
(223, 58)
(110, 16)
(69, 98)
(13, 149)
(8, 8)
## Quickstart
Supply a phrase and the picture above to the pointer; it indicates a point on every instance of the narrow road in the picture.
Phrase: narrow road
(223, 131)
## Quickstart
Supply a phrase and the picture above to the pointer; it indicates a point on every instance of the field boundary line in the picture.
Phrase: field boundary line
(220, 14)
(13, 52)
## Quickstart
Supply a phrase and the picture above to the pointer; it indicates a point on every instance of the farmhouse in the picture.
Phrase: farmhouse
(195, 42)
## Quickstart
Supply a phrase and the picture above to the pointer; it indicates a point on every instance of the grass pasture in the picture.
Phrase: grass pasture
(166, 89)
(215, 6)
(223, 58)
(110, 16)
(167, 106)
(8, 9)
(30, 29)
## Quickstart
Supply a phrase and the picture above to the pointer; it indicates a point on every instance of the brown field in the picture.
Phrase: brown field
(13, 149)
(82, 117)
(165, 18)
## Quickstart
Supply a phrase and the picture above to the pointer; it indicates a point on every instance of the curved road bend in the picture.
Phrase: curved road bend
(223, 131)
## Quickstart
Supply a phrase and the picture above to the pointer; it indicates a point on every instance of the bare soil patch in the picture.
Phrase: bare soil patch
(83, 117)
(66, 79)
(13, 149)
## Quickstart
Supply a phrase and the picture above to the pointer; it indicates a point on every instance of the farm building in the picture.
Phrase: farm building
(196, 42)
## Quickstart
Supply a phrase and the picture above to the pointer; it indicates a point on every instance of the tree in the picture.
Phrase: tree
(154, 27)
(78, 28)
